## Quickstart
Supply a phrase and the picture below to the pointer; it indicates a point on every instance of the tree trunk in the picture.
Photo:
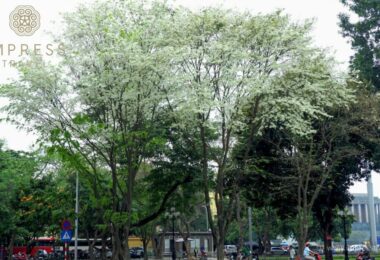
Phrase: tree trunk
(91, 252)
(126, 255)
(188, 249)
(267, 244)
(325, 217)
(157, 244)
(327, 246)
(103, 253)
(91, 245)
(104, 245)
(145, 245)
(220, 250)
(10, 246)
(120, 249)
(207, 193)
(303, 228)
(221, 230)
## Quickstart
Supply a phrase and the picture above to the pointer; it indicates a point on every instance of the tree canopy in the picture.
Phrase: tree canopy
(364, 35)
(153, 104)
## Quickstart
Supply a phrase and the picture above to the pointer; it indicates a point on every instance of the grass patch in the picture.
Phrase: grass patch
(335, 257)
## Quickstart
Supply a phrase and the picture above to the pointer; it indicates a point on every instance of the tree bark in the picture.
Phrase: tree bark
(220, 250)
(145, 245)
(327, 246)
(10, 246)
(157, 244)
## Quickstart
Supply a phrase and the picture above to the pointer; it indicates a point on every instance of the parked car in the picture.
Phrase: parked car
(136, 252)
(42, 254)
(82, 254)
(277, 250)
(230, 250)
(98, 253)
(354, 249)
(57, 254)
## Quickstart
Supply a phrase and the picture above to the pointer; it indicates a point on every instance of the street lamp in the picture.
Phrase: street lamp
(172, 214)
(343, 215)
(206, 211)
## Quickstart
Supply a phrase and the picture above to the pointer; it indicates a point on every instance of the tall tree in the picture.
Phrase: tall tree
(98, 107)
(227, 65)
(126, 65)
(354, 141)
(364, 34)
(306, 160)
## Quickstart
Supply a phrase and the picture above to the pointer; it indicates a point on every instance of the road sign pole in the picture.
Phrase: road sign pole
(65, 249)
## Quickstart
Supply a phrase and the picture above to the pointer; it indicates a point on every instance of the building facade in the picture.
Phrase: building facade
(197, 241)
(359, 208)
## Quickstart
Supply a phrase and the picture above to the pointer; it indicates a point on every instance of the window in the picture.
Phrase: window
(167, 244)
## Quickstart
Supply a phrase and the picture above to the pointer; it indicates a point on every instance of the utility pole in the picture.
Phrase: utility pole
(345, 237)
(76, 217)
(172, 214)
(371, 214)
(250, 231)
(206, 218)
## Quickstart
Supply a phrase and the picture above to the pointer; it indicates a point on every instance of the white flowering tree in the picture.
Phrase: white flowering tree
(98, 106)
(229, 65)
(126, 64)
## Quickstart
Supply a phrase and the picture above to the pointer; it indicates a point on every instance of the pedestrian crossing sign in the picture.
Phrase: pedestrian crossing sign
(66, 235)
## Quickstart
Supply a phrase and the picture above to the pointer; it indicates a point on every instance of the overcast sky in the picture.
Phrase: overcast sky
(325, 34)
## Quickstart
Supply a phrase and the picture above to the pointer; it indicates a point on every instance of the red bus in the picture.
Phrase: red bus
(41, 243)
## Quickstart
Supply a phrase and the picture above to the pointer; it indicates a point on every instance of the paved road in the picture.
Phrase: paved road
(208, 258)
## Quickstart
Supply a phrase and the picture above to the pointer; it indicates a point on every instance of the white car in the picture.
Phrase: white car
(230, 249)
(354, 249)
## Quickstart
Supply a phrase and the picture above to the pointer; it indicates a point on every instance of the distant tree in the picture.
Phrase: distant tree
(328, 164)
(364, 35)
(303, 161)
(355, 141)
(17, 170)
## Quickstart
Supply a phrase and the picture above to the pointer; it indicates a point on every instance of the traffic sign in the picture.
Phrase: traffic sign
(66, 235)
(66, 225)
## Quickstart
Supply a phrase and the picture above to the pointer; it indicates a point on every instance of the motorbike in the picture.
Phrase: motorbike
(203, 255)
(317, 256)
(364, 255)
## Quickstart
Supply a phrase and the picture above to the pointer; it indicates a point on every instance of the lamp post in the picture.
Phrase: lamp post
(172, 214)
(343, 215)
(206, 211)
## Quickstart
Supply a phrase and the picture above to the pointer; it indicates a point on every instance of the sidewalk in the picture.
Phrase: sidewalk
(208, 258)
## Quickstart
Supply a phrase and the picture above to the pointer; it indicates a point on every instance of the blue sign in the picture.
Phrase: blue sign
(66, 235)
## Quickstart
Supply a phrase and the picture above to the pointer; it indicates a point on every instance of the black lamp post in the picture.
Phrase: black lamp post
(343, 215)
(172, 214)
